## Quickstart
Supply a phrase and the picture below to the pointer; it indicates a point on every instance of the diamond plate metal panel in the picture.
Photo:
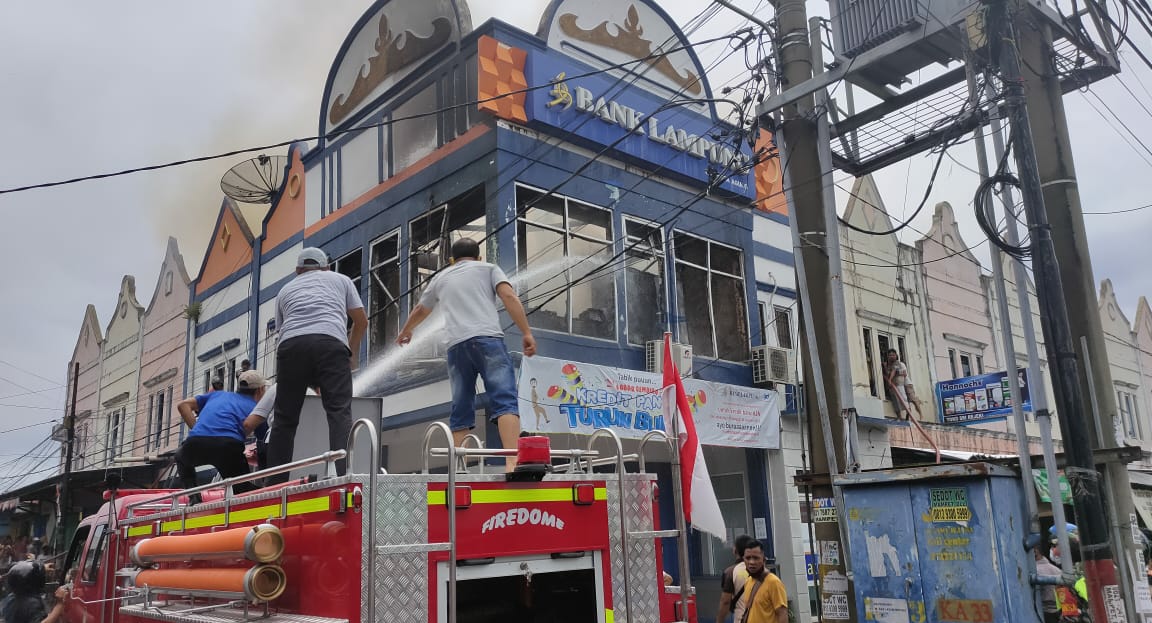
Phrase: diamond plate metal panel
(401, 594)
(637, 505)
(642, 581)
(401, 571)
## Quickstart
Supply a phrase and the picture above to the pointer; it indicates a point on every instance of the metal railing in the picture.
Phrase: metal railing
(611, 434)
(373, 476)
(173, 498)
(450, 500)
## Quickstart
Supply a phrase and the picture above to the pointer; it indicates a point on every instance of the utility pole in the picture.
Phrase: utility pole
(1062, 202)
(69, 444)
(1104, 593)
(812, 233)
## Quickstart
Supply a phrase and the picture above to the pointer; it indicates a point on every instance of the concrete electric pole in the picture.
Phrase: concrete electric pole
(1105, 596)
(1057, 172)
(812, 233)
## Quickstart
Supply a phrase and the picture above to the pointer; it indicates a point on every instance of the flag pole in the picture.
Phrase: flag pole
(678, 502)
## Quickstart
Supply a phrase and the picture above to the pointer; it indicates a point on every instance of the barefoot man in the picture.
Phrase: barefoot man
(467, 293)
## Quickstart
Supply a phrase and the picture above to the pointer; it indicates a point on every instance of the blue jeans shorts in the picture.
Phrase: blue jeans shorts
(488, 358)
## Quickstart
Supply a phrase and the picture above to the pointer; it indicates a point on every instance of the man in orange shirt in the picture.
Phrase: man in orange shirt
(767, 600)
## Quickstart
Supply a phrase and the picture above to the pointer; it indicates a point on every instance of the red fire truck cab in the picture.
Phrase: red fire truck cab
(573, 545)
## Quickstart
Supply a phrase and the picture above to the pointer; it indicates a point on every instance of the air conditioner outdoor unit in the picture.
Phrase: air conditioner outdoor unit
(681, 354)
(773, 365)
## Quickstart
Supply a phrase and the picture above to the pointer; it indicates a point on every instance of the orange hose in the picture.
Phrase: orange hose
(263, 543)
(259, 583)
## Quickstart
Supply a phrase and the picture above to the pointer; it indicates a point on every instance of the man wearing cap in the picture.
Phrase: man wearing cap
(317, 349)
(216, 438)
(467, 293)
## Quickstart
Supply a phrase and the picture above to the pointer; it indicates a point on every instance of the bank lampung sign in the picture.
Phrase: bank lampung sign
(562, 396)
(975, 399)
(605, 109)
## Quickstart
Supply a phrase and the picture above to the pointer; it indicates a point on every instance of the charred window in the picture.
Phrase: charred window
(711, 297)
(565, 248)
(350, 266)
(644, 285)
(384, 293)
(431, 236)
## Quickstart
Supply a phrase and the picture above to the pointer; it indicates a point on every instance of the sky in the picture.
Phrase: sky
(97, 87)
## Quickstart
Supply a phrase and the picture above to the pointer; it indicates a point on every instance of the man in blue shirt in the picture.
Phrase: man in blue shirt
(217, 431)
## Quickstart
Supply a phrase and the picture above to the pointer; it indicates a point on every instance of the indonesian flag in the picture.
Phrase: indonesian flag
(700, 506)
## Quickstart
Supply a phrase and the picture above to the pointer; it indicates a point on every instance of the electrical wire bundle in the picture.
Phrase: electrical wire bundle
(1000, 178)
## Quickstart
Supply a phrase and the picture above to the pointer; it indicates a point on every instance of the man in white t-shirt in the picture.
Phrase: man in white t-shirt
(316, 349)
(466, 294)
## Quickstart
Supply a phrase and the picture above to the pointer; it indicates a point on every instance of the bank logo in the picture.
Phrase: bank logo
(560, 94)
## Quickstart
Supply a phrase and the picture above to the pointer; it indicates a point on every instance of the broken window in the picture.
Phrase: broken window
(710, 293)
(431, 236)
(383, 293)
(350, 266)
(564, 248)
(644, 282)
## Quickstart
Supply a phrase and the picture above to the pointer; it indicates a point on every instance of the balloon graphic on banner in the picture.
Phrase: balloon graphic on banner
(562, 396)
(697, 400)
(572, 374)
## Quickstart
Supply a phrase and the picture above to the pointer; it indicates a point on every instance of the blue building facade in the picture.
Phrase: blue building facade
(598, 174)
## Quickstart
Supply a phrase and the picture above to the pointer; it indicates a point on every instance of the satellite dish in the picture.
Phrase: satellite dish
(255, 180)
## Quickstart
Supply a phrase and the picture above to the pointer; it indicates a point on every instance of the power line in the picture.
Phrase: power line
(1144, 207)
(26, 426)
(28, 372)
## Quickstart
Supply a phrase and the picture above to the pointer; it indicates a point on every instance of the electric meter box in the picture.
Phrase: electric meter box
(943, 543)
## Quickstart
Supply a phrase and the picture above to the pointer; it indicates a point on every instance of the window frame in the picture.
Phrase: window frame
(952, 363)
(93, 552)
(710, 272)
(398, 234)
(777, 311)
(663, 263)
(115, 423)
(867, 333)
(566, 234)
(966, 369)
(710, 542)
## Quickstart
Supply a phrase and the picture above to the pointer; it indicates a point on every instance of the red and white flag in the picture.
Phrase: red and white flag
(700, 506)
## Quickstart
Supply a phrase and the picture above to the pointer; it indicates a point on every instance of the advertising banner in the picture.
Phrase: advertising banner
(561, 396)
(976, 399)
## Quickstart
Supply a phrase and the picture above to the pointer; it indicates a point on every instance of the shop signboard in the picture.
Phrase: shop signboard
(975, 399)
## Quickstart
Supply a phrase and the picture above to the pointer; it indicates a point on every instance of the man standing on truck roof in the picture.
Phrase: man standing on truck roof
(467, 292)
(217, 435)
(316, 349)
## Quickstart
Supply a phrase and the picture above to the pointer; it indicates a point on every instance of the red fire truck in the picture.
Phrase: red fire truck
(557, 541)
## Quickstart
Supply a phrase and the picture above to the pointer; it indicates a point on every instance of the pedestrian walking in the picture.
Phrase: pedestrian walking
(466, 293)
(767, 599)
(317, 348)
(217, 431)
(732, 598)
